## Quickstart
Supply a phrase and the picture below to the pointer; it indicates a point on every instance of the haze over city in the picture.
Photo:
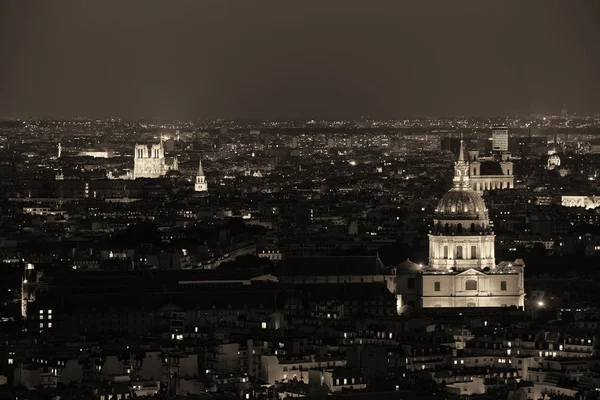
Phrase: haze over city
(297, 59)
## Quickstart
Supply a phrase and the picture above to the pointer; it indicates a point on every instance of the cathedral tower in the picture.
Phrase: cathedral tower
(153, 163)
(201, 185)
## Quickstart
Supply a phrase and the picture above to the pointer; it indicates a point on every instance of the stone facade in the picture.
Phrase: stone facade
(153, 163)
(201, 185)
(462, 270)
(490, 175)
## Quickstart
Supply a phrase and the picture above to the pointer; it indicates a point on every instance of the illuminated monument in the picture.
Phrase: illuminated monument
(462, 269)
(201, 185)
(152, 164)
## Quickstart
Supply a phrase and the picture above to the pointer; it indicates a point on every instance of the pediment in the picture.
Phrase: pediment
(266, 277)
(472, 271)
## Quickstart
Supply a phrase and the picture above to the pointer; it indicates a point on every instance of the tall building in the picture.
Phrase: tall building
(500, 138)
(462, 270)
(201, 185)
(152, 164)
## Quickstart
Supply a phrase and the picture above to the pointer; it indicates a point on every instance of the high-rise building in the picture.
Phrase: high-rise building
(201, 185)
(500, 138)
(152, 164)
(462, 270)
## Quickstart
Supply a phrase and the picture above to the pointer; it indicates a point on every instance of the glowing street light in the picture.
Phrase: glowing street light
(540, 304)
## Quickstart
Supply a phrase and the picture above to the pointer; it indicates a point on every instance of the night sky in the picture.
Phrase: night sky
(307, 59)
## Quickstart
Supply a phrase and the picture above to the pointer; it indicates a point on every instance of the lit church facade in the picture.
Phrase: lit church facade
(201, 185)
(462, 270)
(490, 175)
(151, 162)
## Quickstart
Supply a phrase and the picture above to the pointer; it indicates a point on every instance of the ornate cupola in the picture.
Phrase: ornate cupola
(461, 237)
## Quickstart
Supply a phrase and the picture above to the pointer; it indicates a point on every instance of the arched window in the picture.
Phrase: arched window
(439, 227)
(447, 228)
(473, 227)
(471, 284)
(459, 228)
(471, 304)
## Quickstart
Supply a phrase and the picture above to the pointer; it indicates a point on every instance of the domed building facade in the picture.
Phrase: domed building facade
(462, 270)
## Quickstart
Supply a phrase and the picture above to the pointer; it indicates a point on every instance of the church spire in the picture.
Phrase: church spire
(201, 184)
(461, 156)
(200, 170)
(461, 169)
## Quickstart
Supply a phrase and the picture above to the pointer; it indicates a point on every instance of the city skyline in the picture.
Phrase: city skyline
(338, 60)
(258, 200)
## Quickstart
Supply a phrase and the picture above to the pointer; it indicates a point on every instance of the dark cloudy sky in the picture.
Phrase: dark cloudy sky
(297, 58)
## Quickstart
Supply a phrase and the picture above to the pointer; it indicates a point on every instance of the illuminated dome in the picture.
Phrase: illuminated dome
(461, 203)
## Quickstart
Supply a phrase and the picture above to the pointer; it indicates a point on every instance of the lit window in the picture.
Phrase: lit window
(49, 324)
(41, 324)
(49, 311)
(10, 361)
(41, 311)
(264, 325)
